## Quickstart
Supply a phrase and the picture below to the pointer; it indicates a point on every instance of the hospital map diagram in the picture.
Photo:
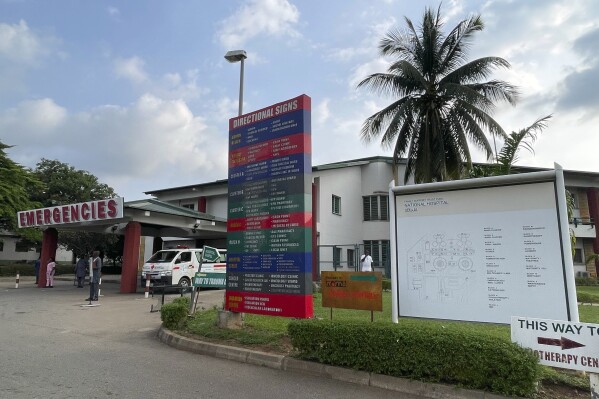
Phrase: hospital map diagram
(441, 269)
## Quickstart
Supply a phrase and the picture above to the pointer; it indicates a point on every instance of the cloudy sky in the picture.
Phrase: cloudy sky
(139, 94)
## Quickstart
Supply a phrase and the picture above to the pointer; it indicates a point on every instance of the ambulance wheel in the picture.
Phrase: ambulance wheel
(185, 284)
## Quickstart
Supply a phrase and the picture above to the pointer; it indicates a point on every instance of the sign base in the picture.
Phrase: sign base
(230, 320)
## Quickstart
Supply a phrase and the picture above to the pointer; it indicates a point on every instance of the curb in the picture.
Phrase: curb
(286, 363)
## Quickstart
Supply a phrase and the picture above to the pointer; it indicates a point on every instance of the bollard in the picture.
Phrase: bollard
(147, 294)
(99, 287)
(17, 283)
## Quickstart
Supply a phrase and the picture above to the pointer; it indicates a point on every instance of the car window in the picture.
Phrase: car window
(185, 257)
(198, 255)
(163, 257)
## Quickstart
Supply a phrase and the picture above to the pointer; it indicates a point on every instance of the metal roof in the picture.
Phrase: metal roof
(154, 205)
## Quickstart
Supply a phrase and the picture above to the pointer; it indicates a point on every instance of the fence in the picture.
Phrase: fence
(346, 257)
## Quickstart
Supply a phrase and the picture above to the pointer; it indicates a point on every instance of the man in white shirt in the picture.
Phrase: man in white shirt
(366, 262)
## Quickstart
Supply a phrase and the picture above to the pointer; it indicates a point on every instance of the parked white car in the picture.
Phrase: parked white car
(178, 266)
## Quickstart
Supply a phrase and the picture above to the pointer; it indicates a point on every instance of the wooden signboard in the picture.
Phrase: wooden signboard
(352, 290)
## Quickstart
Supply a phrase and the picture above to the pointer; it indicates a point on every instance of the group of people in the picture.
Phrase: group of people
(81, 270)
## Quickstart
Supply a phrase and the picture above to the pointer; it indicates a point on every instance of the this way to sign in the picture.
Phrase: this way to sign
(559, 343)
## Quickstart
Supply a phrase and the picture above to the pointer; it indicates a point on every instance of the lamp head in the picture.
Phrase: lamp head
(236, 55)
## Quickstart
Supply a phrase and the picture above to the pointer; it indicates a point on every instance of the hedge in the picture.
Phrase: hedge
(174, 314)
(27, 269)
(586, 281)
(584, 297)
(436, 353)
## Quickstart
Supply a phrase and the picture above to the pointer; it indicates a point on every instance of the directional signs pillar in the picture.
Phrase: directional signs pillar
(269, 226)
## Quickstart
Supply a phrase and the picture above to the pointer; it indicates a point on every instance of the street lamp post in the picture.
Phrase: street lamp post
(227, 319)
(235, 56)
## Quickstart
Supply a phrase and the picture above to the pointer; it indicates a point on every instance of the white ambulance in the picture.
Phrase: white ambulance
(178, 266)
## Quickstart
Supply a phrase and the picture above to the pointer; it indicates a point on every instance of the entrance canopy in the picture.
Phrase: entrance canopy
(157, 219)
(133, 219)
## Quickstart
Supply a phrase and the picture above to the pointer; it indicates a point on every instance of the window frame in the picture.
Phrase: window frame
(375, 208)
(336, 204)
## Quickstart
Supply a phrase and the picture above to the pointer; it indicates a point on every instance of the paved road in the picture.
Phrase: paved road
(52, 347)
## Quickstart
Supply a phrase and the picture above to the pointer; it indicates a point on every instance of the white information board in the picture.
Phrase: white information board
(558, 343)
(481, 253)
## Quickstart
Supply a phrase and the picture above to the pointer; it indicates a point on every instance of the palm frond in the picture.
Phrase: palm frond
(524, 138)
(457, 41)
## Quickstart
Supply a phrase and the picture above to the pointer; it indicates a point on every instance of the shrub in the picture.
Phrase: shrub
(386, 284)
(586, 281)
(434, 353)
(585, 297)
(174, 314)
(27, 269)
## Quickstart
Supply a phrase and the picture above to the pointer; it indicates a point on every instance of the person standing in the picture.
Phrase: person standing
(95, 278)
(37, 266)
(50, 270)
(80, 271)
(366, 261)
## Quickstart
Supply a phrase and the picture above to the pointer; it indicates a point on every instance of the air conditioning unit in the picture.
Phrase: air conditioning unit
(582, 274)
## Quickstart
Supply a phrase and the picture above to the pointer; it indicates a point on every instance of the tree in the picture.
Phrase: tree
(83, 243)
(508, 155)
(66, 185)
(15, 183)
(441, 102)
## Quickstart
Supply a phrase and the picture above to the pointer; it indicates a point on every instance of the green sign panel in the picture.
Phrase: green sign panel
(210, 254)
(210, 280)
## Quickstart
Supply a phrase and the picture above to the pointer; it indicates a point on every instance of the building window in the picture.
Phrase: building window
(379, 251)
(22, 246)
(376, 207)
(336, 257)
(578, 258)
(336, 205)
(1, 246)
(188, 206)
(351, 263)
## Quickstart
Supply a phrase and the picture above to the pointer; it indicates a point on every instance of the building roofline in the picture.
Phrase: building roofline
(367, 160)
(154, 205)
(333, 165)
(191, 186)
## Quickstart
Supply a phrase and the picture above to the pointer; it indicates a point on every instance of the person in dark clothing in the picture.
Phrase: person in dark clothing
(37, 266)
(95, 279)
(80, 271)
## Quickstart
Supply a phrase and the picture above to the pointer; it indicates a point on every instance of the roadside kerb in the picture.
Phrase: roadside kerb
(280, 362)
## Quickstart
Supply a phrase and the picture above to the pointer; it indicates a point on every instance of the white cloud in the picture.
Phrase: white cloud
(259, 17)
(362, 71)
(322, 112)
(175, 86)
(130, 68)
(21, 45)
(113, 11)
(148, 141)
(34, 119)
(171, 85)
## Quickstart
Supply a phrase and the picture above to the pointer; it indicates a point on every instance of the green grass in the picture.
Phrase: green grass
(271, 331)
(263, 329)
(588, 289)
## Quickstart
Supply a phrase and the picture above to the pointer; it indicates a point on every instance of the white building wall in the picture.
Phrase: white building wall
(344, 229)
(375, 180)
(9, 252)
(217, 206)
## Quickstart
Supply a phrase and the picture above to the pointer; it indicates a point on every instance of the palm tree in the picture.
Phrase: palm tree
(508, 155)
(441, 102)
